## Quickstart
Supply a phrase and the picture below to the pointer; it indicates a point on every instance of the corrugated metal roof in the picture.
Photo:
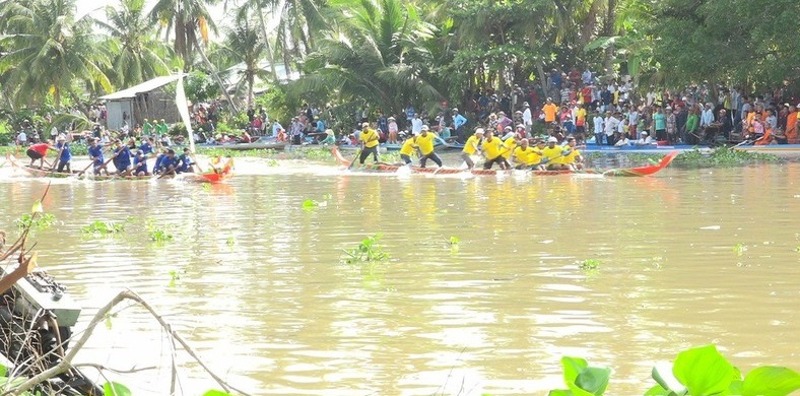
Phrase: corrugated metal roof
(146, 86)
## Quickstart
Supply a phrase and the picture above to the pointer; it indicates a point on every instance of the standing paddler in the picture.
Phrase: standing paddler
(369, 143)
(492, 147)
(471, 147)
(38, 151)
(408, 147)
(425, 145)
(65, 155)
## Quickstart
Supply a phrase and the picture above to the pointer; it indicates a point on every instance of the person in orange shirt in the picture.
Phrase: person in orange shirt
(550, 109)
(792, 124)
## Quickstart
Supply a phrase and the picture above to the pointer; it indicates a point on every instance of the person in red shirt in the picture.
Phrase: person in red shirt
(38, 151)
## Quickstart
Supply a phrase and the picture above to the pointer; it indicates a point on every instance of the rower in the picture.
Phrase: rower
(169, 163)
(140, 164)
(185, 164)
(96, 156)
(369, 143)
(523, 155)
(147, 145)
(426, 148)
(538, 160)
(471, 147)
(491, 150)
(572, 159)
(65, 156)
(509, 144)
(122, 158)
(552, 154)
(158, 167)
(38, 151)
(408, 147)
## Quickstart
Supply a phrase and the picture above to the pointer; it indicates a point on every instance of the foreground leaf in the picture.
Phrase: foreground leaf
(214, 392)
(594, 380)
(703, 370)
(115, 389)
(771, 381)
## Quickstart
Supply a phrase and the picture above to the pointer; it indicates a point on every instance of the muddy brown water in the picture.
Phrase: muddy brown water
(256, 284)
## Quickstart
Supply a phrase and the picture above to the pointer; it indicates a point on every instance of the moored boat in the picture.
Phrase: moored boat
(392, 168)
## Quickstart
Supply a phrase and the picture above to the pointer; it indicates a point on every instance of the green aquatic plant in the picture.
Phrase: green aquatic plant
(589, 265)
(98, 227)
(722, 157)
(368, 251)
(310, 204)
(230, 241)
(582, 379)
(453, 242)
(214, 392)
(35, 221)
(115, 389)
(157, 234)
(695, 371)
(739, 249)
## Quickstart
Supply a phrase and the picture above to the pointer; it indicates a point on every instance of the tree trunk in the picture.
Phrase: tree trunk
(250, 83)
(608, 31)
(542, 78)
(270, 56)
(215, 74)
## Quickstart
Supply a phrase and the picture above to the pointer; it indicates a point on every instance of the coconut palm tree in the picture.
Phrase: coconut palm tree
(137, 55)
(190, 21)
(48, 51)
(374, 52)
(243, 46)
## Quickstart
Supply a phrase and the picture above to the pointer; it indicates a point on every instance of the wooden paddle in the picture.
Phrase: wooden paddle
(58, 159)
(358, 154)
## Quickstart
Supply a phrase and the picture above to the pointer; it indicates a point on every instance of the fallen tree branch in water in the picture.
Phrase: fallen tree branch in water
(98, 318)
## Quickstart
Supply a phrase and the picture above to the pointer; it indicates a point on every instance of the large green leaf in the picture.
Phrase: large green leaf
(662, 374)
(594, 380)
(559, 392)
(214, 392)
(658, 390)
(115, 389)
(572, 368)
(703, 370)
(770, 381)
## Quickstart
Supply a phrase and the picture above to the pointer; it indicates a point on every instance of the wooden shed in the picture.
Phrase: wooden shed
(147, 100)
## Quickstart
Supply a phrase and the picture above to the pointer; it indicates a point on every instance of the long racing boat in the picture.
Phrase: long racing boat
(392, 168)
(218, 175)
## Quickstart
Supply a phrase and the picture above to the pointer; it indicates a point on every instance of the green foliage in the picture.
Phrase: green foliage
(115, 389)
(214, 392)
(280, 105)
(582, 379)
(36, 222)
(739, 249)
(157, 234)
(6, 133)
(102, 228)
(696, 371)
(200, 87)
(589, 265)
(367, 251)
(174, 276)
(721, 157)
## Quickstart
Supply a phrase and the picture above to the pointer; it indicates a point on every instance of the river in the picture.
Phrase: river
(257, 285)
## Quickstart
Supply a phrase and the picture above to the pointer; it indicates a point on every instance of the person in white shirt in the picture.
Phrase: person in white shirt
(623, 141)
(599, 124)
(22, 138)
(416, 125)
(644, 140)
(707, 117)
(611, 125)
(527, 118)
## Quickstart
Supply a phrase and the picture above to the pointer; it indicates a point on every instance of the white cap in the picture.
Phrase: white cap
(552, 139)
(61, 136)
(479, 130)
(644, 133)
(424, 127)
